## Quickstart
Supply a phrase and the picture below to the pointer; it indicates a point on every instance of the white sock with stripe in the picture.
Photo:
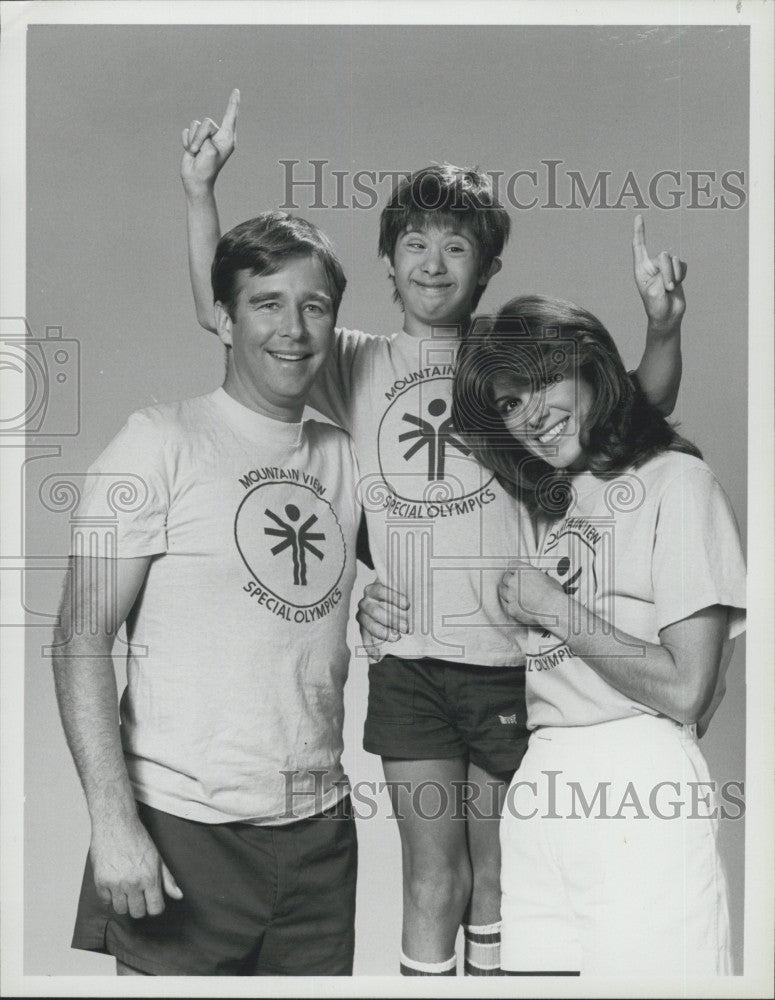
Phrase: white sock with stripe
(411, 967)
(483, 949)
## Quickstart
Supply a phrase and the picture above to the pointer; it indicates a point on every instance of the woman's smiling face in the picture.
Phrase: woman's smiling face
(547, 420)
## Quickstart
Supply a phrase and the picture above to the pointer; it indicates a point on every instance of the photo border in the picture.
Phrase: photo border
(757, 979)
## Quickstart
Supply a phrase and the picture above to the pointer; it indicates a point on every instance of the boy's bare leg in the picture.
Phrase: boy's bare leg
(482, 918)
(436, 866)
(484, 846)
(126, 970)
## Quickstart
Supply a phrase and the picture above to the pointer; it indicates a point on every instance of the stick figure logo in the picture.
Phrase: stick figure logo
(435, 438)
(418, 445)
(299, 541)
(291, 541)
(576, 566)
(571, 585)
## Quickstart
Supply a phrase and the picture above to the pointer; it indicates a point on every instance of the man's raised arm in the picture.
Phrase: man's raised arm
(128, 871)
(207, 146)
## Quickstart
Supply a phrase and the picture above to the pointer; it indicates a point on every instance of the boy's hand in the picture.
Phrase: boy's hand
(382, 612)
(382, 616)
(207, 147)
(659, 282)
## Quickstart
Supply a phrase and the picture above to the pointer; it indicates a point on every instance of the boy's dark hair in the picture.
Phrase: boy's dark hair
(444, 194)
(537, 339)
(265, 244)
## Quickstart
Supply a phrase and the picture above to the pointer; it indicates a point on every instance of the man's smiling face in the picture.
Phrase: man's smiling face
(280, 335)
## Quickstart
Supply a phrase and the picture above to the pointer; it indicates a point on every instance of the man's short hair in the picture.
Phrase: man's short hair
(444, 194)
(264, 245)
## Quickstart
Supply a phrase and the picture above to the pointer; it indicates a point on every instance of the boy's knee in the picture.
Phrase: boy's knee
(436, 889)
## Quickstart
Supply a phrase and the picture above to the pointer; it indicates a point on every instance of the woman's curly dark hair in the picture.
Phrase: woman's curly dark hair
(539, 339)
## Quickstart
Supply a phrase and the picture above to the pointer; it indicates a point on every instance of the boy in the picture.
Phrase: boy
(232, 569)
(442, 708)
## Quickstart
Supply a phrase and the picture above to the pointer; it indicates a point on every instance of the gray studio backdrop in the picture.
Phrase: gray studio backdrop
(106, 263)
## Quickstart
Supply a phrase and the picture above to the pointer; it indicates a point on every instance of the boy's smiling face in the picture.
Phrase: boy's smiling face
(437, 270)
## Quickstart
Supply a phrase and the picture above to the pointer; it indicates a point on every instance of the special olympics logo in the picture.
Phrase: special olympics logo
(417, 445)
(291, 541)
(576, 566)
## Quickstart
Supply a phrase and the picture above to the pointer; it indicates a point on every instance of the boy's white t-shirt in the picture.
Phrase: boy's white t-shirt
(441, 529)
(643, 550)
(238, 655)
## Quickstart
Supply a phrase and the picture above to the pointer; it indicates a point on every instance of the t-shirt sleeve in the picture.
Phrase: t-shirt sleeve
(332, 392)
(126, 491)
(698, 560)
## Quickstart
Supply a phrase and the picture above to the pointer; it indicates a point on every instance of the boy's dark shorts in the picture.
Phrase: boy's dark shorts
(430, 709)
(257, 900)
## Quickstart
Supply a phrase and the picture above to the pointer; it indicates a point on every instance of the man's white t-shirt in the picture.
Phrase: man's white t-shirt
(441, 529)
(643, 550)
(238, 655)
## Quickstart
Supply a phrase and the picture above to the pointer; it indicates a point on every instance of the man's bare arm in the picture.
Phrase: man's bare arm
(128, 871)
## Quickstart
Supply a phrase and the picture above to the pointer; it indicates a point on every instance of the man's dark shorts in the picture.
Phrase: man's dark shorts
(257, 900)
(430, 709)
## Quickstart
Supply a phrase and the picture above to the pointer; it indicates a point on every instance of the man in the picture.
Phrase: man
(222, 842)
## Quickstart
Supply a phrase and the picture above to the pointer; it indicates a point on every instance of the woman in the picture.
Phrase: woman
(608, 835)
